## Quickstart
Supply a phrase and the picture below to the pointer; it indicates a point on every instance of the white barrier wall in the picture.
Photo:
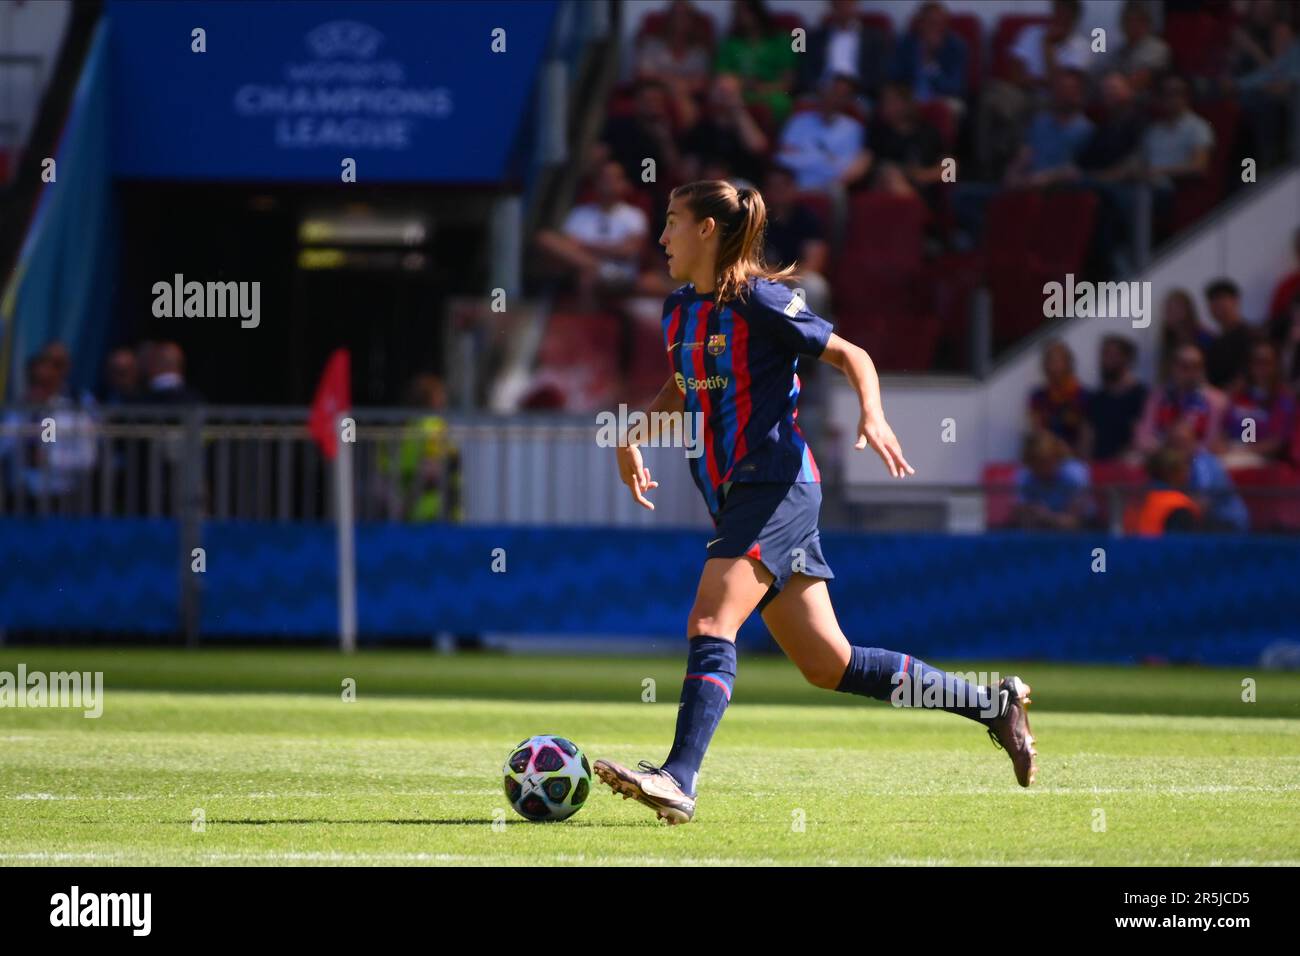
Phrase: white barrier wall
(1250, 243)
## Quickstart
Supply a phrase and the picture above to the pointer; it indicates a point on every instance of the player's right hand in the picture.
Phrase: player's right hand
(633, 473)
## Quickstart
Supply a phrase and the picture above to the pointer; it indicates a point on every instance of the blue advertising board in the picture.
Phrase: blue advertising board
(413, 92)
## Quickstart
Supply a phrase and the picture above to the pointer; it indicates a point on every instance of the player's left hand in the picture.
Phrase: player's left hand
(873, 430)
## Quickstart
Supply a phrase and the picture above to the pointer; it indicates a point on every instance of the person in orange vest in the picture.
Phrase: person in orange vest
(1165, 507)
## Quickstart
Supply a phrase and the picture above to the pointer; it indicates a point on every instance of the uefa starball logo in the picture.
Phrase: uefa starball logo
(344, 38)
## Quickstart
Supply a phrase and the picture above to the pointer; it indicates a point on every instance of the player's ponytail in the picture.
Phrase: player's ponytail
(741, 216)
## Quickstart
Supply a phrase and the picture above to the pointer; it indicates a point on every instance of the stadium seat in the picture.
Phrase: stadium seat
(1272, 496)
(881, 22)
(1196, 42)
(939, 114)
(999, 481)
(879, 271)
(655, 23)
(1110, 476)
(580, 350)
(968, 27)
(784, 22)
(1194, 199)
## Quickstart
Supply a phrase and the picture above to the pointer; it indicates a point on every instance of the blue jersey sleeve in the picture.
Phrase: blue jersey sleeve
(782, 313)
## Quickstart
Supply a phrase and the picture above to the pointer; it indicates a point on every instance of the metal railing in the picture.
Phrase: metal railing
(220, 463)
(262, 464)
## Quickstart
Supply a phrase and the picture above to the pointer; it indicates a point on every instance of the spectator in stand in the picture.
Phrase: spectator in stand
(121, 378)
(1284, 332)
(908, 152)
(1284, 293)
(1060, 406)
(1229, 351)
(796, 236)
(1143, 55)
(931, 59)
(601, 242)
(1007, 104)
(826, 148)
(1252, 36)
(1177, 145)
(726, 132)
(1186, 397)
(1260, 414)
(761, 56)
(1115, 408)
(646, 133)
(1109, 162)
(1052, 489)
(167, 377)
(1265, 95)
(1110, 153)
(1056, 136)
(1165, 506)
(37, 468)
(680, 56)
(60, 360)
(1179, 326)
(845, 46)
(1209, 483)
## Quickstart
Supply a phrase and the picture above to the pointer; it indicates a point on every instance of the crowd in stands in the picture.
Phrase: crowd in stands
(1222, 410)
(867, 117)
(49, 443)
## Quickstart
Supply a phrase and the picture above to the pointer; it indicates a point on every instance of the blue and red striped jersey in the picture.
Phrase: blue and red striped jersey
(736, 364)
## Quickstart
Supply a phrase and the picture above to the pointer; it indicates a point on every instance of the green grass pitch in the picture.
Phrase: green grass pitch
(1138, 766)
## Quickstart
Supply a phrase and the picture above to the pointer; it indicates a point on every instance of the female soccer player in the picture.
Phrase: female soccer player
(733, 335)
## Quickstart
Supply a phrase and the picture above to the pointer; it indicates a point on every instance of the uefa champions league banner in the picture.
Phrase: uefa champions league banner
(414, 92)
(1203, 598)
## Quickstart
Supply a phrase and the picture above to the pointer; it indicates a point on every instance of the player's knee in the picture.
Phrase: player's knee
(825, 676)
(701, 623)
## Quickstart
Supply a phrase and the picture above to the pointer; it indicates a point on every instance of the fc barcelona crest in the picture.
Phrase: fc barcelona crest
(717, 343)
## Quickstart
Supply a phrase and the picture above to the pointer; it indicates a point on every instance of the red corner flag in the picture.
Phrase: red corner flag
(333, 396)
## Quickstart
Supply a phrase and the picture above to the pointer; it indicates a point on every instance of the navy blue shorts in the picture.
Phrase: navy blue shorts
(775, 524)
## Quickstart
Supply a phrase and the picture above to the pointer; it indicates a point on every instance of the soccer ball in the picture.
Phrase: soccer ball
(547, 778)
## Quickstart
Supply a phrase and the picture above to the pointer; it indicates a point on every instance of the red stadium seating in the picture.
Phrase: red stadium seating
(580, 350)
(968, 27)
(999, 481)
(1196, 43)
(939, 114)
(1194, 199)
(654, 24)
(879, 282)
(784, 22)
(882, 22)
(1272, 496)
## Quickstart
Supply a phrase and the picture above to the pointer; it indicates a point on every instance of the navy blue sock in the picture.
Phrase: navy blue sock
(706, 691)
(908, 682)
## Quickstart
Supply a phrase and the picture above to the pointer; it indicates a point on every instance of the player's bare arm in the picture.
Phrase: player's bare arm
(631, 469)
(873, 429)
